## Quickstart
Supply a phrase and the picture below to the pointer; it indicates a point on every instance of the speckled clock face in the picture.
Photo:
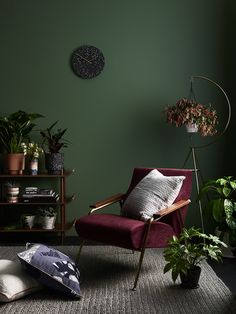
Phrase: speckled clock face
(87, 61)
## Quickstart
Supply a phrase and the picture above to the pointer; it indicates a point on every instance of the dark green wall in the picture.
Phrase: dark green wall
(115, 121)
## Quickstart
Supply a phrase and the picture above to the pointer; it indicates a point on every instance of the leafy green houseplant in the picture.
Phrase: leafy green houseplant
(53, 139)
(15, 129)
(187, 111)
(185, 254)
(221, 206)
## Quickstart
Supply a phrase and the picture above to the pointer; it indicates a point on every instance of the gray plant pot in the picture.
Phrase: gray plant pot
(54, 163)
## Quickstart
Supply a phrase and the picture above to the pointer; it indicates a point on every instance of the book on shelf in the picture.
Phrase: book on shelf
(42, 199)
(26, 195)
(35, 190)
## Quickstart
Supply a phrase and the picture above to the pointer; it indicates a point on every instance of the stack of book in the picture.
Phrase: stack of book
(38, 195)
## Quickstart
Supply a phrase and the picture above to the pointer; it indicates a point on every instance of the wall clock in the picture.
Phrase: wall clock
(87, 61)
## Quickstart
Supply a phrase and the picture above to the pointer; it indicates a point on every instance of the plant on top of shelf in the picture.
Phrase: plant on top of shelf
(54, 139)
(54, 160)
(189, 112)
(32, 150)
(15, 128)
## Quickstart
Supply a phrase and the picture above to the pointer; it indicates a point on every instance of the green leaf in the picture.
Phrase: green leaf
(218, 210)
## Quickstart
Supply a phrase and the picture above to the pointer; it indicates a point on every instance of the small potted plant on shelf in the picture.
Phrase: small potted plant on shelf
(12, 191)
(33, 151)
(14, 129)
(196, 116)
(47, 217)
(221, 209)
(185, 254)
(54, 159)
(28, 219)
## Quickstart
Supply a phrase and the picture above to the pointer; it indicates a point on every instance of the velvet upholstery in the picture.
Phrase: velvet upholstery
(127, 232)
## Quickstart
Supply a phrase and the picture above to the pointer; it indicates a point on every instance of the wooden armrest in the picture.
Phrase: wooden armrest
(107, 201)
(170, 209)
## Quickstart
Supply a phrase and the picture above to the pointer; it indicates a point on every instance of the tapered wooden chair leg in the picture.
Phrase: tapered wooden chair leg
(139, 269)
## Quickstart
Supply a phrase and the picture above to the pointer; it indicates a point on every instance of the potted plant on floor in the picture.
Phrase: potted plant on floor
(185, 254)
(54, 159)
(221, 208)
(14, 129)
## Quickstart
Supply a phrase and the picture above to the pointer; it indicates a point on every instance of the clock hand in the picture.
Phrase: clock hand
(78, 55)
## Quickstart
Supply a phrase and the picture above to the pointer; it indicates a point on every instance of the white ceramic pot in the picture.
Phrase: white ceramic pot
(192, 128)
(28, 221)
(48, 222)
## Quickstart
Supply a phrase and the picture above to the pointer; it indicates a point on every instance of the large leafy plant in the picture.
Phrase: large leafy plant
(54, 138)
(189, 250)
(221, 205)
(15, 128)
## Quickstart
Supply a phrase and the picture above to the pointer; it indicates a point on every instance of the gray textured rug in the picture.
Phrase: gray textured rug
(107, 275)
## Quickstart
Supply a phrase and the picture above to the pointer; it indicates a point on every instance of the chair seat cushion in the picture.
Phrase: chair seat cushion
(153, 193)
(122, 231)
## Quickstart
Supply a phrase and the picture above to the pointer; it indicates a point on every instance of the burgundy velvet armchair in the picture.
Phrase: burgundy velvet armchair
(135, 234)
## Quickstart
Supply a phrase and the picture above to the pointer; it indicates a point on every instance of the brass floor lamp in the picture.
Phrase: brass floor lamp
(192, 148)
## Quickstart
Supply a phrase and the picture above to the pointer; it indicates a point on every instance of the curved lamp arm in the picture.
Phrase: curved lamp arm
(228, 102)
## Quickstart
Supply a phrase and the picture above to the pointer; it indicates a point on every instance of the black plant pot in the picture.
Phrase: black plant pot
(54, 163)
(190, 281)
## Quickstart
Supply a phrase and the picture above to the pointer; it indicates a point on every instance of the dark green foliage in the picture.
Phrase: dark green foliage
(222, 205)
(54, 139)
(189, 249)
(15, 129)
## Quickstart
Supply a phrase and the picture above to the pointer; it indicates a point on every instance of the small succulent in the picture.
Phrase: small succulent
(47, 212)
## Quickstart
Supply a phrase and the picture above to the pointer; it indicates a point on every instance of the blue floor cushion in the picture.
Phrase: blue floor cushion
(51, 268)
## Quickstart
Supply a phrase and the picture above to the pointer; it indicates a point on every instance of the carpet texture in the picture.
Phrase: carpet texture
(107, 275)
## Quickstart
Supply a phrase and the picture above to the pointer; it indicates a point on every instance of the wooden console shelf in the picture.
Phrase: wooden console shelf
(9, 209)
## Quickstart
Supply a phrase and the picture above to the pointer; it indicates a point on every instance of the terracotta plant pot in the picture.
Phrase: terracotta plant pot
(15, 163)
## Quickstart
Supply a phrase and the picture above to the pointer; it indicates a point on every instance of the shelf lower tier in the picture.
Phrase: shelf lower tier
(58, 228)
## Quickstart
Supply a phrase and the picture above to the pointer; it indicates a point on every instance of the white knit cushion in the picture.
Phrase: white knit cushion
(15, 283)
(153, 193)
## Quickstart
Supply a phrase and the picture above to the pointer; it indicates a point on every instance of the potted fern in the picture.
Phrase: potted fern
(53, 139)
(185, 254)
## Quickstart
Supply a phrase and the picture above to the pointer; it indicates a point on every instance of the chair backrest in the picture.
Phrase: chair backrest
(184, 194)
